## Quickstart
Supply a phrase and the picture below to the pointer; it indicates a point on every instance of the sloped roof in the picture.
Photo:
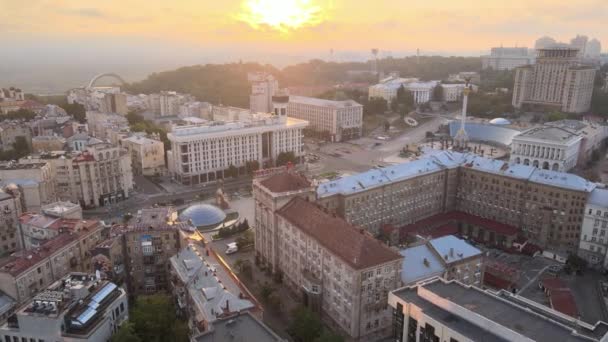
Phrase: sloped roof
(285, 182)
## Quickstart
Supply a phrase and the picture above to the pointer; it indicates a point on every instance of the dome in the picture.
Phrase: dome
(500, 121)
(203, 215)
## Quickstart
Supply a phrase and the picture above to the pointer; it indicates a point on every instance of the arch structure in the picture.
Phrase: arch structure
(107, 74)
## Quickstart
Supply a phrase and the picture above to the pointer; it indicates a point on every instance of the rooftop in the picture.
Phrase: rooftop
(437, 226)
(313, 101)
(242, 327)
(286, 182)
(550, 133)
(60, 208)
(453, 303)
(21, 261)
(355, 247)
(136, 139)
(420, 263)
(453, 249)
(599, 197)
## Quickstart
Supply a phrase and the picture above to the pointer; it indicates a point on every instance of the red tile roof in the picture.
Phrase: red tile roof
(354, 246)
(441, 223)
(285, 182)
(560, 296)
(23, 260)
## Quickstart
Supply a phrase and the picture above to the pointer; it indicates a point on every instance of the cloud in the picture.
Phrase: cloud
(84, 12)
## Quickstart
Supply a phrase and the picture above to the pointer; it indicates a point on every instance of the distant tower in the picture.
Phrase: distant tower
(417, 56)
(279, 103)
(461, 140)
(375, 61)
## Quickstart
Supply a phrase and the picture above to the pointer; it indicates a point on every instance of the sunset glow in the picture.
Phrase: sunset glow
(281, 15)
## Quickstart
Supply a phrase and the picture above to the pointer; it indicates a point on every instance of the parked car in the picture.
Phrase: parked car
(231, 248)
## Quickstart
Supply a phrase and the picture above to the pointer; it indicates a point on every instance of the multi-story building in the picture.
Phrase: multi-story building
(148, 241)
(170, 102)
(202, 153)
(102, 124)
(558, 145)
(27, 272)
(472, 76)
(263, 88)
(244, 327)
(270, 193)
(593, 245)
(10, 133)
(452, 92)
(196, 109)
(546, 205)
(10, 210)
(341, 120)
(557, 80)
(36, 229)
(64, 210)
(507, 58)
(147, 155)
(388, 87)
(80, 141)
(339, 270)
(11, 94)
(114, 103)
(441, 310)
(36, 180)
(448, 257)
(47, 143)
(229, 113)
(78, 307)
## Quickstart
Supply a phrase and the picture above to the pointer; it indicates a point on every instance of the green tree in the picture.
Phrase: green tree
(232, 171)
(286, 157)
(77, 111)
(305, 326)
(438, 93)
(245, 240)
(329, 336)
(376, 105)
(252, 166)
(126, 333)
(154, 319)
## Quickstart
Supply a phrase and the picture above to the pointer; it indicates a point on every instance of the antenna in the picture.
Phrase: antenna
(375, 52)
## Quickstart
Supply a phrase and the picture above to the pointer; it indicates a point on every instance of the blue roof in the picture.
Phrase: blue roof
(485, 132)
(415, 269)
(453, 249)
(203, 215)
(103, 293)
(599, 197)
(84, 317)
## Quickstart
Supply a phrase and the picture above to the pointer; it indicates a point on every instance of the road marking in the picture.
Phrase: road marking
(533, 279)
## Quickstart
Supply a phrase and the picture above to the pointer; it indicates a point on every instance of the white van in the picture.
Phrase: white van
(232, 248)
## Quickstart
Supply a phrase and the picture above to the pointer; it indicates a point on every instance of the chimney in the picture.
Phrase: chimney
(451, 252)
(227, 305)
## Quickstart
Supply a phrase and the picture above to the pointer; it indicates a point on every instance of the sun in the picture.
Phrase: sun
(281, 15)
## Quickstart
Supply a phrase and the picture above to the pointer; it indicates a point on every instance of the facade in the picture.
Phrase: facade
(342, 120)
(556, 80)
(27, 272)
(101, 124)
(263, 88)
(228, 113)
(114, 103)
(47, 143)
(196, 109)
(147, 155)
(387, 88)
(442, 310)
(35, 179)
(10, 131)
(202, 153)
(559, 145)
(243, 327)
(338, 269)
(447, 257)
(593, 245)
(10, 209)
(452, 92)
(78, 307)
(506, 58)
(441, 181)
(170, 102)
(473, 77)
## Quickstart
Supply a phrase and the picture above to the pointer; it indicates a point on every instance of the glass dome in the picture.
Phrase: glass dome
(203, 215)
(500, 121)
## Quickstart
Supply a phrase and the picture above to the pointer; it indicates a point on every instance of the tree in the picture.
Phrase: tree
(306, 326)
(77, 111)
(286, 157)
(154, 319)
(438, 93)
(232, 171)
(252, 166)
(245, 240)
(126, 333)
(329, 336)
(376, 105)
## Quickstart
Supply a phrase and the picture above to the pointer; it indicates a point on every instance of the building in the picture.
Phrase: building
(593, 246)
(339, 270)
(101, 125)
(229, 113)
(170, 102)
(206, 294)
(10, 208)
(544, 42)
(196, 109)
(514, 195)
(473, 77)
(263, 88)
(203, 153)
(593, 49)
(242, 327)
(35, 179)
(80, 141)
(79, 307)
(340, 120)
(387, 88)
(11, 132)
(114, 103)
(448, 257)
(270, 193)
(47, 143)
(442, 310)
(559, 145)
(64, 210)
(580, 43)
(148, 242)
(99, 176)
(147, 155)
(452, 92)
(27, 272)
(11, 94)
(36, 229)
(557, 80)
(506, 58)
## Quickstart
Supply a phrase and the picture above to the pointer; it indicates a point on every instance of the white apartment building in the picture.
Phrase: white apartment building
(196, 109)
(201, 153)
(170, 102)
(558, 145)
(452, 92)
(506, 58)
(229, 113)
(338, 269)
(147, 155)
(263, 88)
(76, 308)
(35, 179)
(594, 231)
(449, 311)
(10, 210)
(387, 88)
(341, 120)
(557, 80)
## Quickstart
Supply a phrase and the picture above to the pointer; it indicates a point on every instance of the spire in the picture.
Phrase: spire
(462, 138)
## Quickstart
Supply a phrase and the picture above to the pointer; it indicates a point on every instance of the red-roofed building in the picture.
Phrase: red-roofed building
(560, 296)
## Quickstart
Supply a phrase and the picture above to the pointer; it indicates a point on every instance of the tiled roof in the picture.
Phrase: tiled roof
(285, 182)
(353, 246)
(22, 261)
(434, 226)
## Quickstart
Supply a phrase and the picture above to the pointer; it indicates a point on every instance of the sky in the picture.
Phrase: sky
(145, 33)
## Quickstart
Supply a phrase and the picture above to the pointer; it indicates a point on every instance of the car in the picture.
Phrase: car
(231, 248)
